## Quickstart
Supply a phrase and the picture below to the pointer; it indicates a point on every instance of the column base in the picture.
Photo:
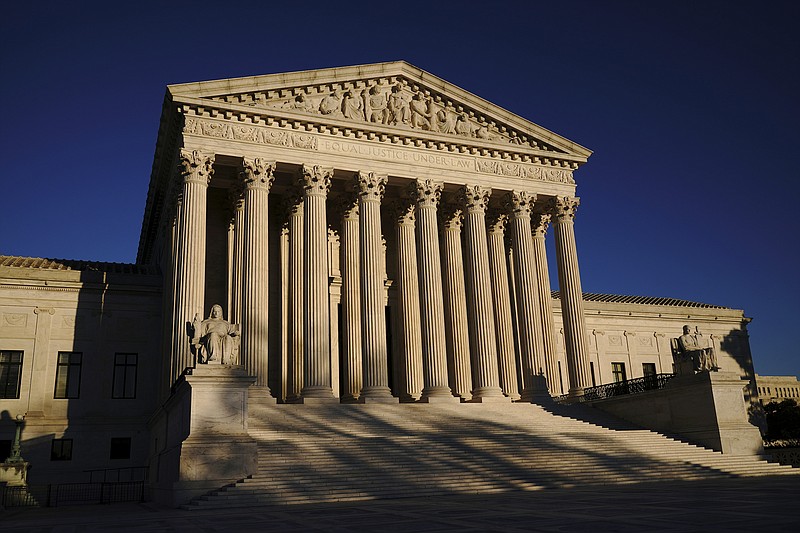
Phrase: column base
(378, 399)
(489, 399)
(261, 395)
(314, 401)
(440, 399)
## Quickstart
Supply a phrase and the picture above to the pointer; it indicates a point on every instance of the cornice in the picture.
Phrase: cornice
(395, 135)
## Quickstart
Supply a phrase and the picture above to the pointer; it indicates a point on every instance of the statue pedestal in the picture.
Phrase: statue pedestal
(14, 474)
(706, 408)
(201, 435)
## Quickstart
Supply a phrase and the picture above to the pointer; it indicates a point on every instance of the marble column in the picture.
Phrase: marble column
(427, 193)
(196, 169)
(569, 280)
(408, 300)
(485, 373)
(316, 182)
(237, 259)
(506, 355)
(295, 355)
(258, 176)
(455, 301)
(351, 300)
(529, 318)
(539, 224)
(373, 311)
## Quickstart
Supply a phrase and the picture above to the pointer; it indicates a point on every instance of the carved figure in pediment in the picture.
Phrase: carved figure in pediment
(447, 121)
(352, 106)
(331, 105)
(375, 105)
(398, 107)
(515, 139)
(463, 126)
(420, 118)
(301, 103)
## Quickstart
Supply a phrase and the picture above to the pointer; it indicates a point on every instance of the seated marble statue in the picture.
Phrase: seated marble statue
(215, 339)
(695, 346)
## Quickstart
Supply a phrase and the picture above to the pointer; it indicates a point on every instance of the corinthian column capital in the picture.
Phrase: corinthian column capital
(451, 216)
(402, 210)
(520, 203)
(316, 180)
(370, 185)
(196, 166)
(539, 224)
(496, 221)
(258, 173)
(427, 192)
(475, 198)
(564, 207)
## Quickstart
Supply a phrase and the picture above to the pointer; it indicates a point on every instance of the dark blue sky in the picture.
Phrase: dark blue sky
(691, 109)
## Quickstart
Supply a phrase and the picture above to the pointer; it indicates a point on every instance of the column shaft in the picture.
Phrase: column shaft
(190, 257)
(373, 315)
(529, 314)
(540, 223)
(434, 352)
(351, 302)
(254, 349)
(296, 317)
(316, 329)
(569, 280)
(502, 306)
(455, 291)
(409, 302)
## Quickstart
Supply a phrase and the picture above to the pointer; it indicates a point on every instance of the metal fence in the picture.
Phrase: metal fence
(74, 494)
(620, 388)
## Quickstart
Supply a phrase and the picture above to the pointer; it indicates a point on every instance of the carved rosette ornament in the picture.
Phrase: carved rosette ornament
(539, 225)
(427, 192)
(520, 203)
(196, 166)
(564, 207)
(371, 186)
(475, 198)
(316, 180)
(258, 173)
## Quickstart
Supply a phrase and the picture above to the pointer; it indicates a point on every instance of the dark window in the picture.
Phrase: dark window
(5, 449)
(648, 369)
(68, 375)
(560, 378)
(120, 448)
(61, 450)
(618, 369)
(10, 373)
(124, 375)
(591, 369)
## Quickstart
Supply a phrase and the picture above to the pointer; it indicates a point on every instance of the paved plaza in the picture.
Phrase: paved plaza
(742, 504)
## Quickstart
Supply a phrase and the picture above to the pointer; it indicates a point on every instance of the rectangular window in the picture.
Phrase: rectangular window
(10, 374)
(124, 375)
(648, 369)
(591, 370)
(61, 450)
(120, 448)
(68, 375)
(618, 370)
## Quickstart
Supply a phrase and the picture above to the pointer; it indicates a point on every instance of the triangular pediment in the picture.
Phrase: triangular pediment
(388, 98)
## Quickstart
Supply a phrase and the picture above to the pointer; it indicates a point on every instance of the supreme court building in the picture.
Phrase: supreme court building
(378, 235)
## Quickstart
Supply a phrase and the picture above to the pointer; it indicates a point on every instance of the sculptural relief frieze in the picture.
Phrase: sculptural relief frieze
(213, 128)
(394, 102)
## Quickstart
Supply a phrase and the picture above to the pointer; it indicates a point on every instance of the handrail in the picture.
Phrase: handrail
(619, 388)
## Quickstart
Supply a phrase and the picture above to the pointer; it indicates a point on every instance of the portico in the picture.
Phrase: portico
(370, 249)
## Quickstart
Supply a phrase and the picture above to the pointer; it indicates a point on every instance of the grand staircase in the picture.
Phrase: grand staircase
(340, 452)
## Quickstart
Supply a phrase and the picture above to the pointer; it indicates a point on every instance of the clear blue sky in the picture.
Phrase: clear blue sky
(691, 109)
